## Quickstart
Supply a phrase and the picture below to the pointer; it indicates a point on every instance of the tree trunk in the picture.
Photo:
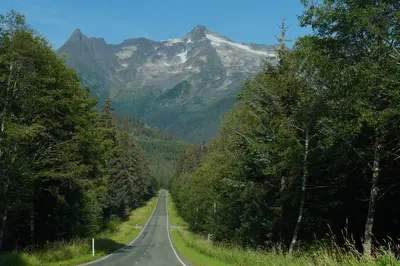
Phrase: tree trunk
(367, 245)
(4, 216)
(3, 225)
(303, 194)
(282, 190)
(32, 224)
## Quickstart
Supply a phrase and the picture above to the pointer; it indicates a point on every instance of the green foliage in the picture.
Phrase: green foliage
(130, 179)
(161, 149)
(112, 224)
(200, 250)
(76, 251)
(310, 148)
(65, 168)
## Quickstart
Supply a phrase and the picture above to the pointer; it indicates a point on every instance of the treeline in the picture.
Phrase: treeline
(136, 127)
(162, 150)
(311, 149)
(65, 170)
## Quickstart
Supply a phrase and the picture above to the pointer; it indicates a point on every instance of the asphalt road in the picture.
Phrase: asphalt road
(153, 246)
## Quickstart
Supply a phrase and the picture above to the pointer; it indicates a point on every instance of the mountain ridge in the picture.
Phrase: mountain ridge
(203, 69)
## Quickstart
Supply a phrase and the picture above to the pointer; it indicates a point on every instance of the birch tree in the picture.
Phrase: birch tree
(361, 38)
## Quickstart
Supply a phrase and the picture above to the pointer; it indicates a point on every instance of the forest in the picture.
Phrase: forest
(67, 170)
(310, 151)
(308, 154)
(162, 150)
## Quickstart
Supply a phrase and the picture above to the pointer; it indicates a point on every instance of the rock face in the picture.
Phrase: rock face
(181, 86)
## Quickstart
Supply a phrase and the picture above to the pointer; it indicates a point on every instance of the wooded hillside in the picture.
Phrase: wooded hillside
(311, 149)
(65, 168)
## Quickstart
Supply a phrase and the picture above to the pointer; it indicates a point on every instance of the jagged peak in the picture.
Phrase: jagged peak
(198, 32)
(77, 35)
(77, 31)
(199, 27)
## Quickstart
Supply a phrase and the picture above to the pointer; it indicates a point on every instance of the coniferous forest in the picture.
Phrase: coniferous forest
(310, 152)
(66, 170)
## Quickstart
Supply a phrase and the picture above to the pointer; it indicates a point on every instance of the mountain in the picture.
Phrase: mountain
(180, 86)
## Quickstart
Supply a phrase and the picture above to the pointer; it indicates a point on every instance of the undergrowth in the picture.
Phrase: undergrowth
(64, 253)
(201, 250)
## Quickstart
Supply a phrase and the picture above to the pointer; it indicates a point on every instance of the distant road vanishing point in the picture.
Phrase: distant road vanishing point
(153, 246)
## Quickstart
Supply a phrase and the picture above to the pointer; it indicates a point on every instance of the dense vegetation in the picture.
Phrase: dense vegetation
(310, 150)
(66, 171)
(161, 149)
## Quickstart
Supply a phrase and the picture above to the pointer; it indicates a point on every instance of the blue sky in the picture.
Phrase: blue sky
(241, 20)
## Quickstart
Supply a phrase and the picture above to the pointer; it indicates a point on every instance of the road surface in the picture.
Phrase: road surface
(153, 247)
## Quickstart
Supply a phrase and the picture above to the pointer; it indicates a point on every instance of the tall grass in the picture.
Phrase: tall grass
(232, 255)
(65, 253)
(202, 251)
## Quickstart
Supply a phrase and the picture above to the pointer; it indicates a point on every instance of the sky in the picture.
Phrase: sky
(253, 21)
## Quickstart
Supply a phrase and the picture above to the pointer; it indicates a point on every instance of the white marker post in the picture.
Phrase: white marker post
(92, 246)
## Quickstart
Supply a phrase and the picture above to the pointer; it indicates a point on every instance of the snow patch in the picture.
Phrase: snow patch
(217, 41)
(125, 65)
(174, 40)
(166, 64)
(170, 42)
(126, 52)
(193, 69)
(189, 41)
(203, 58)
(132, 47)
(183, 56)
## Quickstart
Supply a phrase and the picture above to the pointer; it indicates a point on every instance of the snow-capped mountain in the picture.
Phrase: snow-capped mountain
(179, 85)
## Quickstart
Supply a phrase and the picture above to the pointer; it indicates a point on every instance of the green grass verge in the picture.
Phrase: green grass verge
(191, 253)
(79, 251)
(174, 218)
(200, 251)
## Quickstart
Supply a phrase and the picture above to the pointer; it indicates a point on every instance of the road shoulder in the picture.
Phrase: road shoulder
(178, 230)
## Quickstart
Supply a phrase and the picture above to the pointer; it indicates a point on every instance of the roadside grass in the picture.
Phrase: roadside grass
(174, 218)
(66, 253)
(201, 251)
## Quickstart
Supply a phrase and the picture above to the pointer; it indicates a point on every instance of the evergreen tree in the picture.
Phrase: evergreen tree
(60, 158)
(307, 138)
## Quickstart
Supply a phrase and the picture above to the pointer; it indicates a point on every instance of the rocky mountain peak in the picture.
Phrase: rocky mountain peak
(178, 85)
(199, 28)
(77, 35)
(198, 32)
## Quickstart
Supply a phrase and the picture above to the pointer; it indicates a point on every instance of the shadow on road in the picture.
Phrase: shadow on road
(106, 245)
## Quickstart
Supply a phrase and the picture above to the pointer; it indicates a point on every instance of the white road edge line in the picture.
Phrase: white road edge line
(169, 238)
(133, 241)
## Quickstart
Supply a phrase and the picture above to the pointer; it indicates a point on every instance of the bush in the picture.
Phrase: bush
(112, 225)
